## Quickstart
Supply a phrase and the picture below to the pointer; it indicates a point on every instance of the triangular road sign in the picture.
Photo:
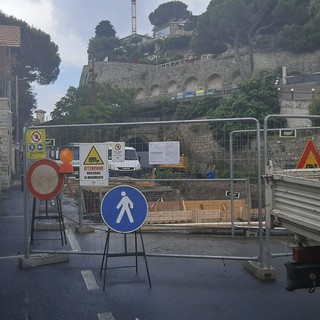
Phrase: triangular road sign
(310, 157)
(93, 157)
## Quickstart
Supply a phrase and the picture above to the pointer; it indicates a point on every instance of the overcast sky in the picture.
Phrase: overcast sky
(71, 23)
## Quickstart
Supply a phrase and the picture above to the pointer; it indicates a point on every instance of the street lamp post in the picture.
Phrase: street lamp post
(17, 131)
(17, 112)
(292, 92)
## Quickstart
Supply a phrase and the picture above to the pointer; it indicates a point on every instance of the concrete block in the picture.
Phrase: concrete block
(42, 259)
(252, 233)
(84, 229)
(261, 272)
(47, 226)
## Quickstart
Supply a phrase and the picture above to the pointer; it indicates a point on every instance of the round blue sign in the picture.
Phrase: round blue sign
(124, 209)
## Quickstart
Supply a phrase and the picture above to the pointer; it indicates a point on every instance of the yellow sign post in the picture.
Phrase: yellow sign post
(36, 143)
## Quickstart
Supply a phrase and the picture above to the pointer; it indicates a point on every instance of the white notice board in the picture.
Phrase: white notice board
(93, 169)
(118, 151)
(164, 152)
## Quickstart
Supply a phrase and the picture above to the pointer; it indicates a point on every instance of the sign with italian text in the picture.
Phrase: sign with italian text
(93, 164)
(36, 143)
(164, 152)
(118, 151)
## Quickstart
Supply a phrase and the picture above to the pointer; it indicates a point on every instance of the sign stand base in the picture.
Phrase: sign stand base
(57, 216)
(135, 254)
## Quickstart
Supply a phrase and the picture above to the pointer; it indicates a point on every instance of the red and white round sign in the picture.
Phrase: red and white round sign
(36, 136)
(43, 179)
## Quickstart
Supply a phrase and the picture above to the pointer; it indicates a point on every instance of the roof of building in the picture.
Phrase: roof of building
(40, 111)
(142, 36)
(10, 36)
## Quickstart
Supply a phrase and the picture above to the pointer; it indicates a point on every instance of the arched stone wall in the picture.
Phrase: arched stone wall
(191, 84)
(139, 144)
(155, 91)
(236, 79)
(214, 82)
(141, 94)
(172, 87)
(221, 73)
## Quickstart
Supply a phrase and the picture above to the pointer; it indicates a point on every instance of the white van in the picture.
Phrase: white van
(129, 167)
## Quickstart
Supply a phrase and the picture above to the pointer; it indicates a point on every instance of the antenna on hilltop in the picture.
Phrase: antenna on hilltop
(133, 16)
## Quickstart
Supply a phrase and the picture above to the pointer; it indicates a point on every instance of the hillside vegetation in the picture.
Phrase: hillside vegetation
(237, 26)
(241, 26)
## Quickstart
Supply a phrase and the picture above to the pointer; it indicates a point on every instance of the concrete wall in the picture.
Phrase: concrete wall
(6, 153)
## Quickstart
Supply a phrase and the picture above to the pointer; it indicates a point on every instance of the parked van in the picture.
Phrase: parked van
(129, 167)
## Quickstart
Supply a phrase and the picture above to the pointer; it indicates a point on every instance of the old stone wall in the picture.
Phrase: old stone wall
(6, 155)
(222, 73)
(286, 152)
(194, 74)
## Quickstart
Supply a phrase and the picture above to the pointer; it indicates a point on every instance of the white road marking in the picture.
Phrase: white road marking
(72, 240)
(105, 316)
(90, 280)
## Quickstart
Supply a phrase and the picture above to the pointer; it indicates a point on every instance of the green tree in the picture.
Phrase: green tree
(176, 43)
(112, 104)
(105, 29)
(299, 28)
(104, 47)
(314, 109)
(105, 42)
(236, 23)
(205, 40)
(256, 98)
(37, 60)
(169, 11)
(197, 108)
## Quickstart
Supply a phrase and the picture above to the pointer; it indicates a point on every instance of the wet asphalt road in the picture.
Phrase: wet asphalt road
(185, 289)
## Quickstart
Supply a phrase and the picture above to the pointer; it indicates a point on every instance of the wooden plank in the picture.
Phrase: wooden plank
(166, 206)
(196, 211)
(160, 217)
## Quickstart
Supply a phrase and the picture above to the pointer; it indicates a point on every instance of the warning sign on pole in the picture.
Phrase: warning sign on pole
(93, 157)
(310, 157)
(36, 143)
(118, 151)
(93, 164)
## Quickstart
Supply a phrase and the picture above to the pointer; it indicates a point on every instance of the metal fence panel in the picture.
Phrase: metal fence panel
(206, 195)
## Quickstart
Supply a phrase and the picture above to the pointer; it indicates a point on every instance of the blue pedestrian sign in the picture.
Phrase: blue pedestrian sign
(124, 209)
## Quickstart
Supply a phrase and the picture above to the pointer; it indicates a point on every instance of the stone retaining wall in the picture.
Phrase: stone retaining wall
(6, 151)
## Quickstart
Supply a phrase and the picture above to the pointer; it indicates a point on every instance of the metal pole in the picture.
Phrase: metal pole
(25, 196)
(231, 186)
(81, 203)
(261, 246)
(17, 149)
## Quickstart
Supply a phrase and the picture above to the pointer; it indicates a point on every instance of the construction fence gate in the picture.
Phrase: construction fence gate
(202, 179)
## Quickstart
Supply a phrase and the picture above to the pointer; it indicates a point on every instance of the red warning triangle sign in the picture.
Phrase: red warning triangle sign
(310, 157)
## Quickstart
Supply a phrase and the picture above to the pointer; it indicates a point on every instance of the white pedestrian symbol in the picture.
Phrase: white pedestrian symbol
(125, 204)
